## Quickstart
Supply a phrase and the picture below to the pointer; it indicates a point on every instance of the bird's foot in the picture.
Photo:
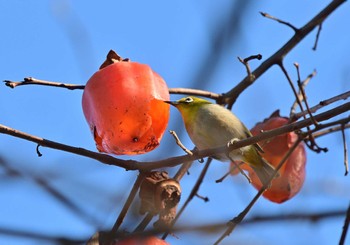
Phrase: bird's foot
(232, 142)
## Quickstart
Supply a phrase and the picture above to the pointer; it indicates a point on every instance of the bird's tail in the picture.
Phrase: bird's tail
(263, 170)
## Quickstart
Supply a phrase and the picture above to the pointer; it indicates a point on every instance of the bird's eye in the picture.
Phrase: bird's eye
(188, 100)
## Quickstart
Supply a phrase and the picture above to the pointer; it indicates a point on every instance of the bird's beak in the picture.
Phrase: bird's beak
(173, 103)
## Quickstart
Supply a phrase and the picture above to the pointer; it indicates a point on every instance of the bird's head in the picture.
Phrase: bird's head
(188, 106)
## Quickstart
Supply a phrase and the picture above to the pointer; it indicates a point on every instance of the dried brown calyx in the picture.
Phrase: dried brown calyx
(113, 57)
(160, 195)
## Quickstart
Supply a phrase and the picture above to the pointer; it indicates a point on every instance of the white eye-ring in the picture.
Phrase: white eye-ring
(188, 100)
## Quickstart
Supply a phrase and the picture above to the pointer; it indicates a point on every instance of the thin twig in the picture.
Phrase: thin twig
(143, 224)
(128, 202)
(304, 84)
(38, 151)
(322, 104)
(195, 92)
(245, 62)
(317, 37)
(311, 143)
(239, 168)
(330, 130)
(182, 171)
(179, 143)
(34, 81)
(253, 57)
(232, 168)
(280, 21)
(225, 175)
(345, 227)
(292, 86)
(205, 199)
(190, 197)
(346, 161)
(247, 67)
(331, 125)
(302, 92)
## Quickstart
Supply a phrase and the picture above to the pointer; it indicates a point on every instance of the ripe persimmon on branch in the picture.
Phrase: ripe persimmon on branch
(307, 126)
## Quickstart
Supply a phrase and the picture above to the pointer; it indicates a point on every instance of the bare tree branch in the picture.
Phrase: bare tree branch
(179, 143)
(192, 194)
(173, 161)
(297, 98)
(214, 227)
(34, 81)
(231, 96)
(331, 130)
(317, 36)
(303, 85)
(297, 216)
(266, 15)
(345, 227)
(303, 94)
(346, 161)
(128, 203)
(323, 103)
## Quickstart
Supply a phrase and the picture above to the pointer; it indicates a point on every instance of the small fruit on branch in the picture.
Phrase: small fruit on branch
(292, 173)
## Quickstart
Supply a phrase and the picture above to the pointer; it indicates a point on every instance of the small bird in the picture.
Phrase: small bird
(211, 125)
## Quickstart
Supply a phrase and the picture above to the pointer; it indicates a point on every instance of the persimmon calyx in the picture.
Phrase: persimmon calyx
(111, 58)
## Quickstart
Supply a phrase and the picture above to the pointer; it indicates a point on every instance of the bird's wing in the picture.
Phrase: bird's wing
(248, 134)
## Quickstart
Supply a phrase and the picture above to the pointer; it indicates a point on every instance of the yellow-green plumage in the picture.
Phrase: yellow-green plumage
(210, 125)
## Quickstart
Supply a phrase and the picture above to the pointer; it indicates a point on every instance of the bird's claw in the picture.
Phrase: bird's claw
(232, 142)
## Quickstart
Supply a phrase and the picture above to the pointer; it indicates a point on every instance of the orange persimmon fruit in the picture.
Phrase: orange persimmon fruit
(123, 105)
(142, 241)
(292, 173)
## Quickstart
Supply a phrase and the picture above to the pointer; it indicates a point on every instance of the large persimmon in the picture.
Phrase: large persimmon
(142, 241)
(123, 105)
(292, 173)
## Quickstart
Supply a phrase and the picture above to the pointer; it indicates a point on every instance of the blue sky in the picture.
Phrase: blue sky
(67, 41)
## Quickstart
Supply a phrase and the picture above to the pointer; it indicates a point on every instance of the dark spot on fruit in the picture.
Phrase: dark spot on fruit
(135, 139)
(153, 142)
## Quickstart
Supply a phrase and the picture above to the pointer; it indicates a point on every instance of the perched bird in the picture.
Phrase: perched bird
(211, 125)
